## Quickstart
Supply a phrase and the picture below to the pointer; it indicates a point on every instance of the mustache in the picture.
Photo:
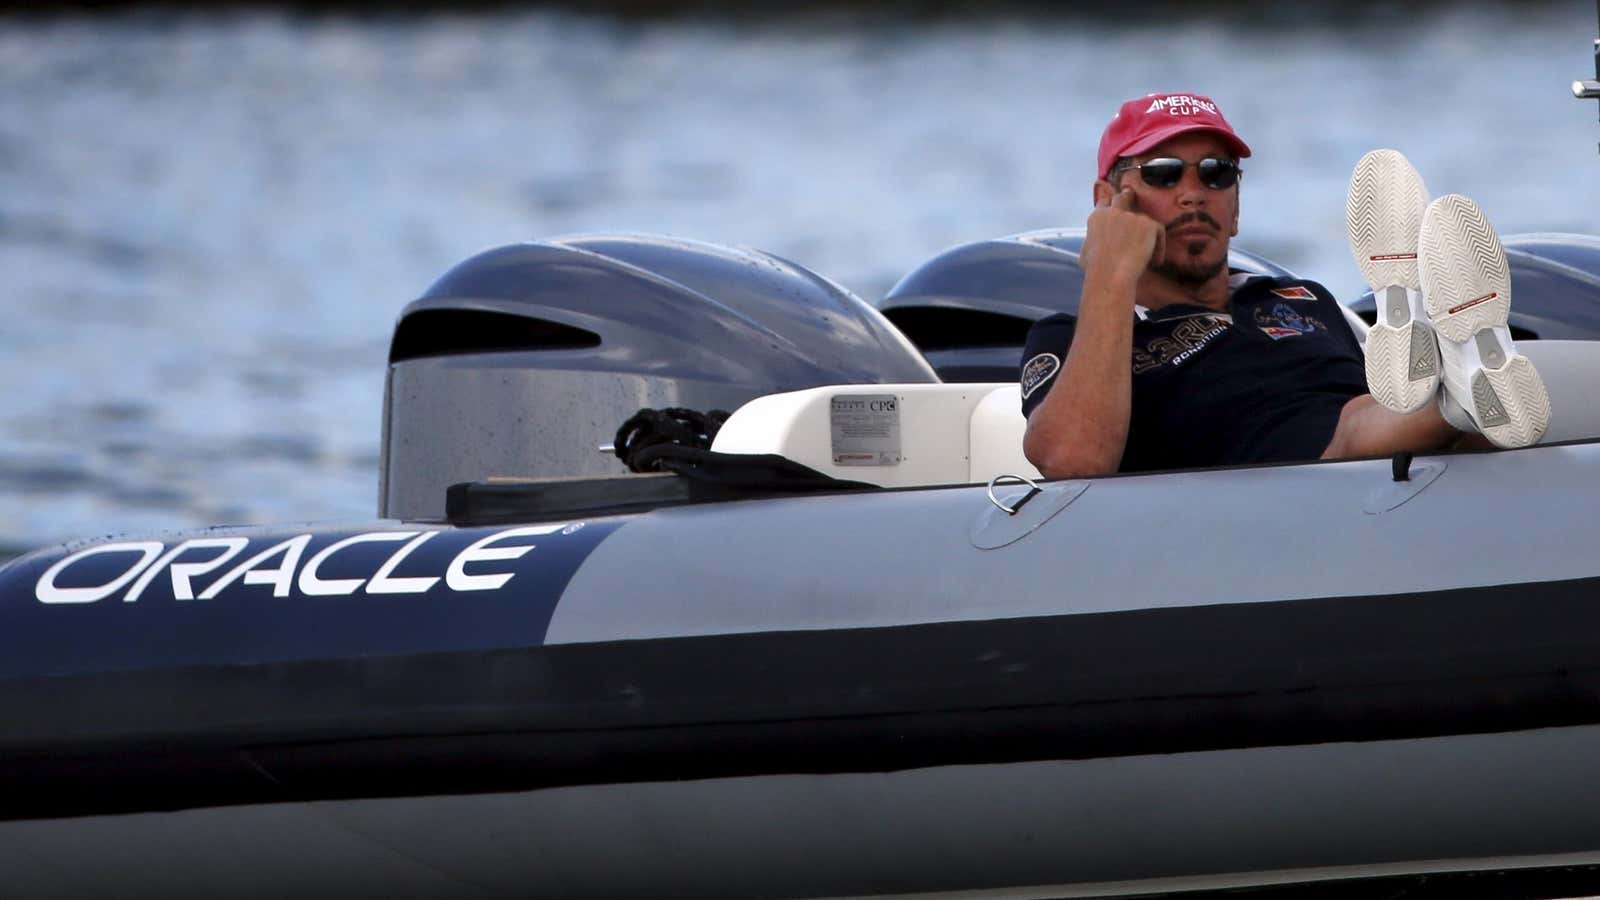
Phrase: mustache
(1194, 216)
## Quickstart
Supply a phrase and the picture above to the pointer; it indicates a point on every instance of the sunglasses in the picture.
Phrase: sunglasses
(1166, 172)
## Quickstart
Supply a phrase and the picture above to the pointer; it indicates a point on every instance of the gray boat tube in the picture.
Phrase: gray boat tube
(1265, 670)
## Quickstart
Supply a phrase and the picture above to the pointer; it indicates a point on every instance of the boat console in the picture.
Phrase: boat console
(892, 435)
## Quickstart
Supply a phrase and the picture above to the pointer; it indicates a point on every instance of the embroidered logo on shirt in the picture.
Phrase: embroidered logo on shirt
(1189, 337)
(1037, 371)
(1295, 293)
(1284, 321)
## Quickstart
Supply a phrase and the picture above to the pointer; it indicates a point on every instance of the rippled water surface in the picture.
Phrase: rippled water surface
(208, 224)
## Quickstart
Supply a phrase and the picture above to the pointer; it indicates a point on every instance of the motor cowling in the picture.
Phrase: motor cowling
(524, 359)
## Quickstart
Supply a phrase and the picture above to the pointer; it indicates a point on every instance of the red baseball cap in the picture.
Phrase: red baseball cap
(1143, 123)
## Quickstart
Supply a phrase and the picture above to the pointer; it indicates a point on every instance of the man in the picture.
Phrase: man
(1173, 361)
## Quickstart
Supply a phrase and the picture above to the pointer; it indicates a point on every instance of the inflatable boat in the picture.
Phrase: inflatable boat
(855, 647)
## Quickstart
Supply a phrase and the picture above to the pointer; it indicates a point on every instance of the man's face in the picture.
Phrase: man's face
(1199, 220)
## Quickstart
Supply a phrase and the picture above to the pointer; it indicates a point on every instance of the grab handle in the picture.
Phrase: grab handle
(1012, 510)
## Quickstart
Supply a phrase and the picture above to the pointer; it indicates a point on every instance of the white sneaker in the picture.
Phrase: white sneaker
(1384, 212)
(1466, 284)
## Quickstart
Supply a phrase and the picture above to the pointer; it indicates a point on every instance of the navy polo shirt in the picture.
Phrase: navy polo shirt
(1263, 382)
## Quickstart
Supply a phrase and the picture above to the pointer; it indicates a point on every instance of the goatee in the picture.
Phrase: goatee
(1193, 273)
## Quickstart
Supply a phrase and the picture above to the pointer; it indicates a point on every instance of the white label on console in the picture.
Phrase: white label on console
(866, 429)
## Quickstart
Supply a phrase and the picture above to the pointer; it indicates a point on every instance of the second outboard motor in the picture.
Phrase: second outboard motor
(1555, 287)
(524, 359)
(969, 308)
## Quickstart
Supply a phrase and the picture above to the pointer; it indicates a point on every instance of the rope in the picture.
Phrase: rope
(644, 440)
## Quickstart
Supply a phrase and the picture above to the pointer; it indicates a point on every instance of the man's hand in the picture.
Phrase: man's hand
(1121, 240)
(1081, 426)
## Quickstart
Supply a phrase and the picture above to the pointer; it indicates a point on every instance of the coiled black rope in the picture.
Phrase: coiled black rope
(646, 439)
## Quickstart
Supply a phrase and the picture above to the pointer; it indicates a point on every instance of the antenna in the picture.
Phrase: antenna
(1590, 90)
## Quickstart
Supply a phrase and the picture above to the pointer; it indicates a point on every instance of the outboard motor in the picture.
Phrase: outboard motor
(969, 308)
(524, 359)
(1555, 287)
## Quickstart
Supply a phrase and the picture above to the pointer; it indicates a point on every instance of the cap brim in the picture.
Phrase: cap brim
(1240, 148)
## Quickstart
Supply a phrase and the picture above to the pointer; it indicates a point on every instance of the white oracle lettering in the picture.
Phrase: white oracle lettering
(47, 592)
(182, 572)
(280, 577)
(480, 551)
(312, 585)
(382, 581)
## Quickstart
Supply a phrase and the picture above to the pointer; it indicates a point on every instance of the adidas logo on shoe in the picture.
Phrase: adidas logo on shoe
(1490, 414)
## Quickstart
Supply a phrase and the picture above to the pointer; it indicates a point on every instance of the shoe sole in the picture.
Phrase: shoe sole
(1466, 285)
(1383, 212)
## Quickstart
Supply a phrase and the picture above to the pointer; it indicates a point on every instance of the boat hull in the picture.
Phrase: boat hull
(1159, 682)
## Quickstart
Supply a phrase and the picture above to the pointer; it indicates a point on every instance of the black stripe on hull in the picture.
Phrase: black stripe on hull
(1487, 659)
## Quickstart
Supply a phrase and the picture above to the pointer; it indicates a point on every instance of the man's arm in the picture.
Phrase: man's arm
(1081, 425)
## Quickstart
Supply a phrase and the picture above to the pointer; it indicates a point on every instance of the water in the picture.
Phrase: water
(208, 224)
